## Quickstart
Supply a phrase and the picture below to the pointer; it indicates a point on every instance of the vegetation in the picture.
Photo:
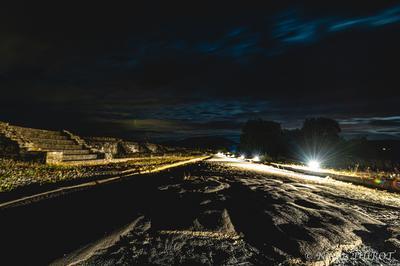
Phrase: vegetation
(17, 174)
(261, 137)
(318, 139)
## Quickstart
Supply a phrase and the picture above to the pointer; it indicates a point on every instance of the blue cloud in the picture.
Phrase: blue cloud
(346, 24)
(291, 29)
(243, 43)
(388, 16)
(208, 47)
(385, 17)
(236, 32)
(374, 127)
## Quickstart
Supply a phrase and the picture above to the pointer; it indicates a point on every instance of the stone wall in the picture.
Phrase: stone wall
(54, 157)
(8, 148)
(129, 148)
(155, 148)
(109, 146)
(118, 148)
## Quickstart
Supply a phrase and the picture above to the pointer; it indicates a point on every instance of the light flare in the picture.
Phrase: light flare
(314, 165)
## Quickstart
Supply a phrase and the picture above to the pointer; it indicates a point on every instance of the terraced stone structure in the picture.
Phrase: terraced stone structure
(44, 145)
(119, 148)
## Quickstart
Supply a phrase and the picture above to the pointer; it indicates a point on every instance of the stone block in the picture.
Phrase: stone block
(54, 157)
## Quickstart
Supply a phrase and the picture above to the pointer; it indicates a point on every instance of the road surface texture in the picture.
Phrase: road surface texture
(218, 212)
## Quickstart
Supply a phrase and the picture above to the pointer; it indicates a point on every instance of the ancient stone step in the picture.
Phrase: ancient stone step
(53, 141)
(74, 152)
(83, 157)
(30, 135)
(36, 131)
(32, 140)
(53, 147)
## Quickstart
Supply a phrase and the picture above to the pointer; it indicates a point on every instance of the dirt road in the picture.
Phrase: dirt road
(219, 212)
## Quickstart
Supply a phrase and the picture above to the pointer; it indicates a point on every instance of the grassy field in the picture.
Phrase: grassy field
(16, 174)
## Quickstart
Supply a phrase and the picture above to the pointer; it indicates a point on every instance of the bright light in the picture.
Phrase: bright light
(256, 158)
(242, 157)
(220, 154)
(314, 165)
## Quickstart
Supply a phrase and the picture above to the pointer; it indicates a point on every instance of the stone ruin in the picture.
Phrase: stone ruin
(47, 146)
(119, 148)
(44, 146)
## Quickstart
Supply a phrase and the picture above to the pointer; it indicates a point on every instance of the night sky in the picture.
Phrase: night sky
(162, 71)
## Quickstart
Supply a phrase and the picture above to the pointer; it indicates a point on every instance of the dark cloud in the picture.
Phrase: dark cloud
(390, 123)
(183, 69)
(373, 127)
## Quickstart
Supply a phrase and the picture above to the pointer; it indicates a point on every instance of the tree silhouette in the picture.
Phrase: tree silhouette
(262, 137)
(320, 139)
(322, 128)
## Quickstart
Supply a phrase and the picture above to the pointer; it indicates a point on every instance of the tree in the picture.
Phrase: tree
(322, 128)
(320, 139)
(260, 136)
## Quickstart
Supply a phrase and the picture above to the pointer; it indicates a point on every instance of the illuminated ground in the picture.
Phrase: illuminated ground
(231, 212)
(16, 175)
(381, 179)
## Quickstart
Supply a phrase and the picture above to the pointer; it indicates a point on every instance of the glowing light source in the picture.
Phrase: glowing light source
(378, 181)
(314, 165)
(242, 157)
(256, 158)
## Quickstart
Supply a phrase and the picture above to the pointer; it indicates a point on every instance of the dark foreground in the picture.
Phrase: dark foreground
(218, 212)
